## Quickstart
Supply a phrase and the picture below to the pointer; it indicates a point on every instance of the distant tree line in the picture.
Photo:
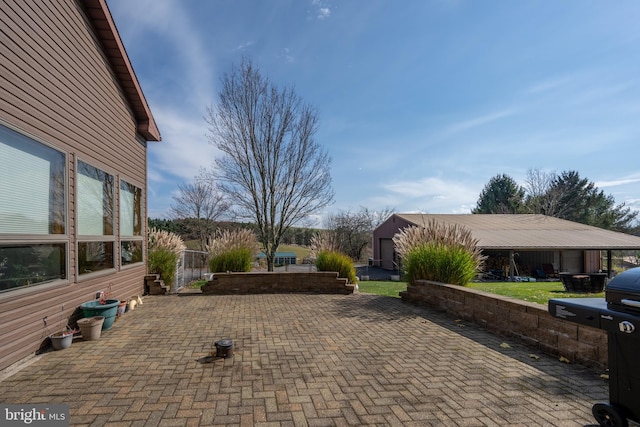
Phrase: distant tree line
(565, 195)
(190, 230)
(348, 231)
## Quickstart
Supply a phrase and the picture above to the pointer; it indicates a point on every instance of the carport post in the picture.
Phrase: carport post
(512, 263)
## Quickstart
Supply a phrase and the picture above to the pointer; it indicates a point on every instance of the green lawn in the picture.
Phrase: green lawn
(386, 288)
(540, 292)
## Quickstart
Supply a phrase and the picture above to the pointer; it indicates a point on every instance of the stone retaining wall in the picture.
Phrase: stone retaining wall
(525, 321)
(267, 283)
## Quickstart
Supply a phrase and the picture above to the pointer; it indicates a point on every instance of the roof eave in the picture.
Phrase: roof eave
(106, 30)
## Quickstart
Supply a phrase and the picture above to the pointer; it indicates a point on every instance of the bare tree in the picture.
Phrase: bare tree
(380, 216)
(272, 168)
(351, 232)
(540, 197)
(201, 201)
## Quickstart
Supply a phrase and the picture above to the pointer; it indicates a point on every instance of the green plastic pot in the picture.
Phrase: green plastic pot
(108, 310)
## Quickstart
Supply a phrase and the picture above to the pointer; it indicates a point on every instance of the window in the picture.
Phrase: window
(33, 241)
(28, 264)
(95, 219)
(130, 251)
(130, 211)
(32, 183)
(130, 223)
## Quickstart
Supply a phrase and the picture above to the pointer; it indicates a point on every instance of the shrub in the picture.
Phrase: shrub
(165, 240)
(232, 250)
(441, 252)
(164, 249)
(163, 262)
(224, 241)
(441, 263)
(335, 261)
(238, 259)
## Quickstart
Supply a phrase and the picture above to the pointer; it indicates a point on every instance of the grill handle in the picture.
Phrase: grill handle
(630, 302)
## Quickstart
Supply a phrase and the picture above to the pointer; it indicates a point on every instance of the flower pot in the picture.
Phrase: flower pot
(108, 310)
(91, 327)
(61, 340)
(122, 308)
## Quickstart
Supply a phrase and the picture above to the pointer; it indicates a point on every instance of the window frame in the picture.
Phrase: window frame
(95, 238)
(135, 238)
(26, 239)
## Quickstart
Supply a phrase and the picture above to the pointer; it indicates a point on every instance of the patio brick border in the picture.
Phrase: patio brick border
(525, 321)
(266, 283)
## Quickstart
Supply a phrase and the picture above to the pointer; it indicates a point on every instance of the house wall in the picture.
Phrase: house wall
(58, 88)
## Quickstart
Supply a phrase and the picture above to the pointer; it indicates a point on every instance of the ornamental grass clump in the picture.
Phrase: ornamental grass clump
(236, 260)
(232, 250)
(322, 241)
(336, 261)
(439, 252)
(164, 252)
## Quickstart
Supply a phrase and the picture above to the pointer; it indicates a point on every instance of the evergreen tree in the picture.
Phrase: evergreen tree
(502, 195)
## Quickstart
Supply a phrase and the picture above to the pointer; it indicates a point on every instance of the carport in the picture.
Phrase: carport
(519, 244)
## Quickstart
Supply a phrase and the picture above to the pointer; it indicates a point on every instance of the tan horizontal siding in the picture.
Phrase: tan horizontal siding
(21, 318)
(82, 64)
(49, 75)
(57, 85)
(76, 96)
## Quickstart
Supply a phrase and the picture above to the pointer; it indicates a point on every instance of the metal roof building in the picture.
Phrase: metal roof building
(538, 239)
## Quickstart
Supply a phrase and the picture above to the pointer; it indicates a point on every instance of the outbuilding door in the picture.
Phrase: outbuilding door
(386, 254)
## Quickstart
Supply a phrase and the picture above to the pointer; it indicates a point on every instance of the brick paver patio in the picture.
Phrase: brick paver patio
(304, 360)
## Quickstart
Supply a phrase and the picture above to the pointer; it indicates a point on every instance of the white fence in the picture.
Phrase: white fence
(191, 266)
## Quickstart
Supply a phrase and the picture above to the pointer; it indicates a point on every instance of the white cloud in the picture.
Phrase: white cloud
(323, 8)
(431, 194)
(617, 182)
(244, 45)
(287, 56)
(138, 21)
(185, 148)
(324, 12)
(548, 85)
(478, 121)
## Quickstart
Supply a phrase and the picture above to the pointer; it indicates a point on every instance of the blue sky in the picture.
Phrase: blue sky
(421, 102)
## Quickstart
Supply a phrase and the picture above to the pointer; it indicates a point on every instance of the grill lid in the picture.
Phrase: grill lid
(623, 291)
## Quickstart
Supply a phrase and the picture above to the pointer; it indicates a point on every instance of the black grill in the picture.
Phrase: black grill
(623, 292)
(618, 314)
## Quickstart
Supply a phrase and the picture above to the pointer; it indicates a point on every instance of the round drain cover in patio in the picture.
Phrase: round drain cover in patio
(224, 348)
